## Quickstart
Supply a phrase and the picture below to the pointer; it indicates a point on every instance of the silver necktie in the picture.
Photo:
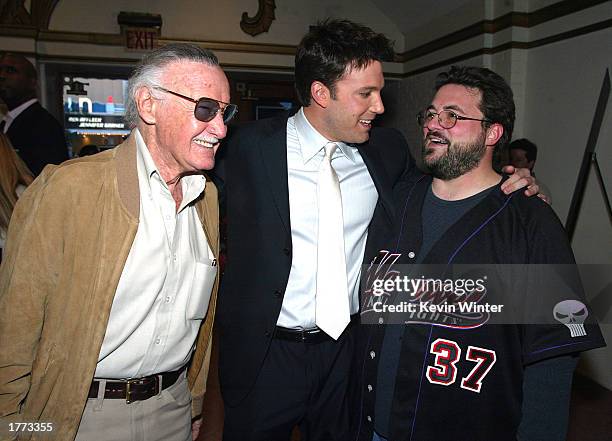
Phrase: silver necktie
(332, 300)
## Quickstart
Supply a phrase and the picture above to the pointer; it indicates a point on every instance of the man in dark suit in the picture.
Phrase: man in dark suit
(278, 367)
(34, 132)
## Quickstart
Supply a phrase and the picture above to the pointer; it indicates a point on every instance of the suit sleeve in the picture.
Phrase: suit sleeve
(28, 275)
(402, 156)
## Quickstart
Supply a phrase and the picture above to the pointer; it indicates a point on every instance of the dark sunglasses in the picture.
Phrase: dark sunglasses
(207, 108)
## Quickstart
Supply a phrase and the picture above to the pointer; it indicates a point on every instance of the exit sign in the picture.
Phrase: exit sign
(141, 39)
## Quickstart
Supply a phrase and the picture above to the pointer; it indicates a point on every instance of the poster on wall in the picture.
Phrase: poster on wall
(94, 110)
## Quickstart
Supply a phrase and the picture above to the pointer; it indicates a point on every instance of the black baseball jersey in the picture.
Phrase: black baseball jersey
(465, 384)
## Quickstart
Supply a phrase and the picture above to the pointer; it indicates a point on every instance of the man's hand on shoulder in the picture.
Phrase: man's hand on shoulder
(519, 178)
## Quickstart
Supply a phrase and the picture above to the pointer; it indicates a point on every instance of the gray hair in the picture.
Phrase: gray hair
(149, 71)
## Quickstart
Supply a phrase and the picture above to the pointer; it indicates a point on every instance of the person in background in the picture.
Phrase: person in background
(523, 154)
(89, 149)
(14, 178)
(37, 136)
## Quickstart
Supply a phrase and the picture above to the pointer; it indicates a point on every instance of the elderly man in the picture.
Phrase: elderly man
(34, 132)
(108, 290)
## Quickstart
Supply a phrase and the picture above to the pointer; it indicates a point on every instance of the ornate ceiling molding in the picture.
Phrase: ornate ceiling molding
(13, 12)
(262, 21)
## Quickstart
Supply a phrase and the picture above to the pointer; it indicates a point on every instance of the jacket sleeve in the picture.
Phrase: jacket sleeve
(198, 385)
(28, 274)
(198, 371)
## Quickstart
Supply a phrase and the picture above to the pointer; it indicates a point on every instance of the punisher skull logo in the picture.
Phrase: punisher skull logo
(572, 314)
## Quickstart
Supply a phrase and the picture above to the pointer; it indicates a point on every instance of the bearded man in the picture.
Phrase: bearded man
(442, 376)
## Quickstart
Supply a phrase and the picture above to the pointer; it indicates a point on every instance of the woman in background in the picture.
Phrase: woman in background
(14, 178)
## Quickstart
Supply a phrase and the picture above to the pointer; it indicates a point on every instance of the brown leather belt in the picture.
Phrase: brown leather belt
(136, 389)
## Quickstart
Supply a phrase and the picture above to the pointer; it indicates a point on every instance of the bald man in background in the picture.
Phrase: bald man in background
(36, 135)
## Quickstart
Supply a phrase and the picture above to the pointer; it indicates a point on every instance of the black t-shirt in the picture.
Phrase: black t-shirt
(481, 397)
(438, 215)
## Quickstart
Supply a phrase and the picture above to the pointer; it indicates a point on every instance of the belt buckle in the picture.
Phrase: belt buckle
(128, 390)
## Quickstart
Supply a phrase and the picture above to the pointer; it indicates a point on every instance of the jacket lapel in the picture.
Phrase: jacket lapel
(373, 160)
(127, 175)
(273, 148)
(208, 212)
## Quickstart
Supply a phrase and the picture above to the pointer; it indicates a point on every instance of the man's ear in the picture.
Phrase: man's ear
(320, 93)
(146, 105)
(494, 132)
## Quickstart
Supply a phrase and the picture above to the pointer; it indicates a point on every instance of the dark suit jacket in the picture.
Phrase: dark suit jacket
(38, 137)
(254, 169)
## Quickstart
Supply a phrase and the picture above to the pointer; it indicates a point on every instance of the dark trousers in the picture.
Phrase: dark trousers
(299, 384)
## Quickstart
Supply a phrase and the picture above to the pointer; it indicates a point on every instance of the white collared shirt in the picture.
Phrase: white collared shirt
(166, 283)
(305, 151)
(13, 114)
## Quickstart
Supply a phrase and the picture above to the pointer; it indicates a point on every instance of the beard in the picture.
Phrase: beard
(457, 160)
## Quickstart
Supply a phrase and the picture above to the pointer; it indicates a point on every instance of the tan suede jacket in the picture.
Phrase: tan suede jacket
(68, 241)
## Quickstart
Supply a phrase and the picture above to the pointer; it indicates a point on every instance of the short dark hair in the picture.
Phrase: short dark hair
(497, 102)
(333, 47)
(531, 150)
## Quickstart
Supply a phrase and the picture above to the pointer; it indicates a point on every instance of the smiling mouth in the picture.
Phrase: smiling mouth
(206, 143)
(436, 139)
(367, 123)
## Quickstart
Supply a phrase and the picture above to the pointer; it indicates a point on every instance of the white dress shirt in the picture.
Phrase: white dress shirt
(165, 286)
(305, 151)
(13, 114)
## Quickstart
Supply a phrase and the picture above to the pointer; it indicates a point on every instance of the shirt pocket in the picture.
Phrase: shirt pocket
(199, 295)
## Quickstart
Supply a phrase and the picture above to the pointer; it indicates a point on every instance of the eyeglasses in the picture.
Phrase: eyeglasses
(207, 108)
(446, 118)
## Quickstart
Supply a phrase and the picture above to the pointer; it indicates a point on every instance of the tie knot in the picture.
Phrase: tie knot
(330, 148)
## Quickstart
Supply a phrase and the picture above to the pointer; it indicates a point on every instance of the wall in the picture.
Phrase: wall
(219, 21)
(563, 86)
(85, 31)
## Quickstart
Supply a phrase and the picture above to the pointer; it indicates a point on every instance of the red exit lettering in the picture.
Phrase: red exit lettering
(140, 39)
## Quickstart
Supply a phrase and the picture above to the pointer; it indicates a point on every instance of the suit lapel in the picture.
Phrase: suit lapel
(370, 152)
(20, 123)
(273, 149)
